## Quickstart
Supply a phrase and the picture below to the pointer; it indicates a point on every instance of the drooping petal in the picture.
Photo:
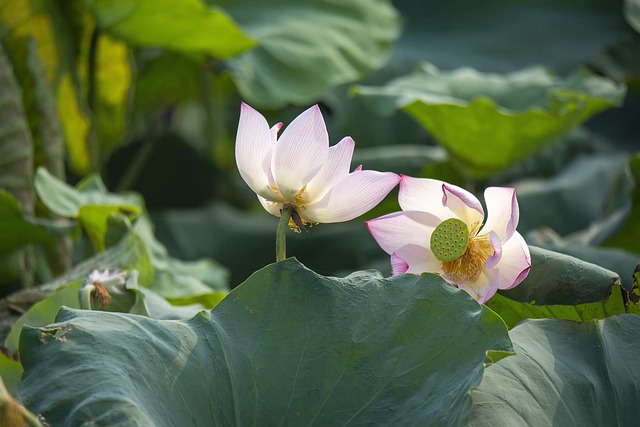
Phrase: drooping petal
(515, 263)
(462, 203)
(419, 260)
(253, 149)
(398, 265)
(300, 152)
(271, 207)
(482, 289)
(354, 195)
(334, 170)
(502, 211)
(399, 229)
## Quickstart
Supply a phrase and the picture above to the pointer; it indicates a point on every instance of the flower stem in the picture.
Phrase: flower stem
(281, 234)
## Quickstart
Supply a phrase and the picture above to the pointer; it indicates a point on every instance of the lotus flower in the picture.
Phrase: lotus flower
(442, 229)
(300, 171)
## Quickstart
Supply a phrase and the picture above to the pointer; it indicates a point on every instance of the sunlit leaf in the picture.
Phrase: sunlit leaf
(288, 346)
(564, 373)
(185, 25)
(307, 47)
(488, 122)
(513, 312)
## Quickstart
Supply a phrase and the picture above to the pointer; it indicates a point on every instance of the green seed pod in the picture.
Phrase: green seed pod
(450, 239)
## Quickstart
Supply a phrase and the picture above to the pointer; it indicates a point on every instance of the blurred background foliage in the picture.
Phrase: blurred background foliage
(118, 120)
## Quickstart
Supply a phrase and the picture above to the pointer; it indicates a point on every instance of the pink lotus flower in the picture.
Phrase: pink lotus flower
(440, 230)
(300, 171)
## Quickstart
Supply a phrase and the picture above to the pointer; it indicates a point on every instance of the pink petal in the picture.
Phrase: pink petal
(494, 259)
(515, 263)
(354, 195)
(253, 148)
(502, 211)
(419, 260)
(462, 203)
(398, 265)
(300, 152)
(399, 229)
(334, 170)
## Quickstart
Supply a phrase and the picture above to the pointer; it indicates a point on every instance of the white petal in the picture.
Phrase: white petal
(463, 204)
(300, 152)
(441, 199)
(274, 131)
(502, 211)
(515, 262)
(423, 194)
(271, 207)
(419, 260)
(399, 229)
(356, 194)
(253, 149)
(334, 170)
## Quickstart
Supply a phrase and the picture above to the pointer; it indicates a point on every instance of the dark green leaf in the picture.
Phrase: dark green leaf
(628, 237)
(556, 278)
(287, 347)
(16, 231)
(564, 374)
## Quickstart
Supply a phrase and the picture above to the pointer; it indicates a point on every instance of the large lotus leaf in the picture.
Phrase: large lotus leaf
(564, 373)
(556, 278)
(307, 47)
(185, 25)
(288, 347)
(487, 121)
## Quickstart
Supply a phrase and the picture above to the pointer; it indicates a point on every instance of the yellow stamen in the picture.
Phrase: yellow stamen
(467, 268)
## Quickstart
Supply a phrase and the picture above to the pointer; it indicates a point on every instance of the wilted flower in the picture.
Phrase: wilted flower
(440, 230)
(301, 172)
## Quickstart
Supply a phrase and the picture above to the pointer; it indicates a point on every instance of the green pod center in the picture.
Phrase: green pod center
(450, 240)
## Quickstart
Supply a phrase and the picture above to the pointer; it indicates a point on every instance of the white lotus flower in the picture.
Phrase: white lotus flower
(301, 172)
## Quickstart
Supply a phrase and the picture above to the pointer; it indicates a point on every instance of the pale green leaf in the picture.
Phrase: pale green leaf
(488, 122)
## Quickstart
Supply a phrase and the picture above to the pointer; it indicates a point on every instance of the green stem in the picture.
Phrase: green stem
(85, 297)
(281, 234)
(92, 100)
